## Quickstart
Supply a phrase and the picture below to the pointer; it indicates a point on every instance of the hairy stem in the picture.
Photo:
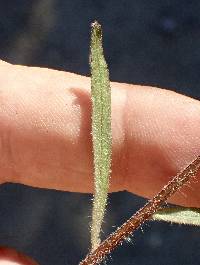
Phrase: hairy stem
(142, 215)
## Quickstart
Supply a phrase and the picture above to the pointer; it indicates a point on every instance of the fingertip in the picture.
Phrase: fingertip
(161, 137)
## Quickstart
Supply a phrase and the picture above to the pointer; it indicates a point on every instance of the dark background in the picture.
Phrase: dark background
(146, 42)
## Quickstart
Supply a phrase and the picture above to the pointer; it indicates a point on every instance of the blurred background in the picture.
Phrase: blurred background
(146, 42)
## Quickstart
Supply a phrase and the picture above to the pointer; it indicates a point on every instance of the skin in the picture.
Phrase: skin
(45, 140)
(10, 256)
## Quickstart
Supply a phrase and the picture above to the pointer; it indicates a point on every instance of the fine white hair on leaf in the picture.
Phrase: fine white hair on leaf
(179, 215)
(101, 131)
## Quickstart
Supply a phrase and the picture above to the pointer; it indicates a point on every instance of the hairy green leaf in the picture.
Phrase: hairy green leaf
(180, 215)
(101, 130)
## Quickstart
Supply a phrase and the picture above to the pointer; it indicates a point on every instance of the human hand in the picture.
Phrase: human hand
(45, 140)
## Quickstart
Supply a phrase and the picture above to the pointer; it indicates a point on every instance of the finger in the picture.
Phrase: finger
(45, 118)
(45, 128)
(10, 256)
(161, 138)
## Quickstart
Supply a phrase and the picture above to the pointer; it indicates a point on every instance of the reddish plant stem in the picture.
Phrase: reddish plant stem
(142, 215)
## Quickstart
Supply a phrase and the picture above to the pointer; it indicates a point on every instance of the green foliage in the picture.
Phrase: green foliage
(180, 215)
(101, 130)
(101, 135)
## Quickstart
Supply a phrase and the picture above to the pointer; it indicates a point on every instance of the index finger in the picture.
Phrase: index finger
(45, 118)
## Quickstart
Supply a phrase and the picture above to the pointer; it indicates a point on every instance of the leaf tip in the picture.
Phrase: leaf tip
(96, 29)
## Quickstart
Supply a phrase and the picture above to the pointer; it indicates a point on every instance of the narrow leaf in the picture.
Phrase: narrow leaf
(101, 130)
(180, 215)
